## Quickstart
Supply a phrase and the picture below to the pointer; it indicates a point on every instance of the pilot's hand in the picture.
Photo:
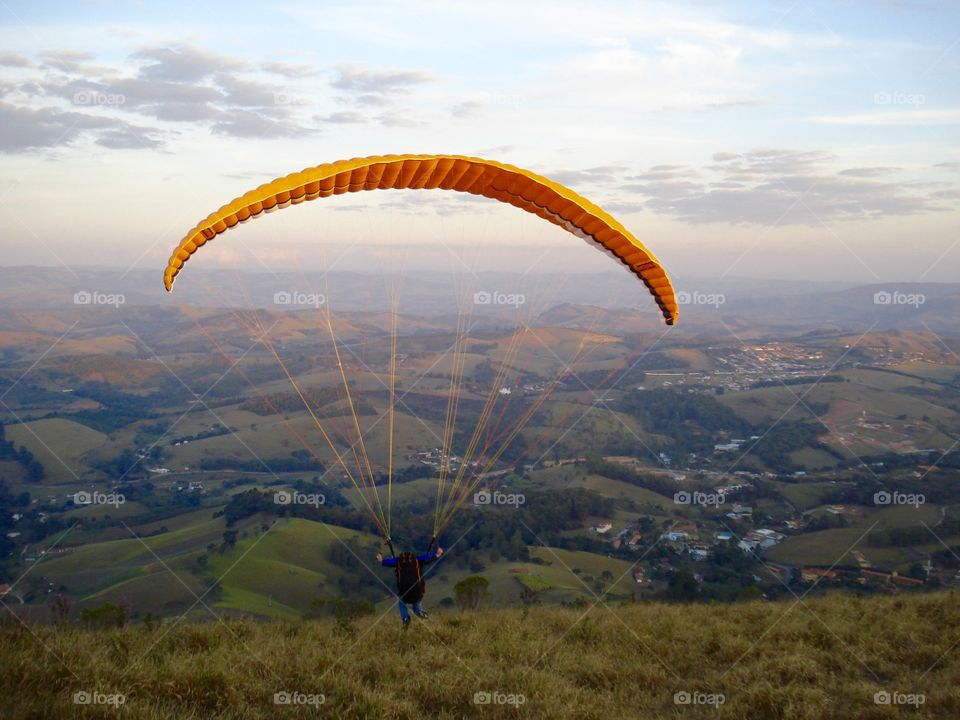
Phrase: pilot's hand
(379, 557)
(439, 551)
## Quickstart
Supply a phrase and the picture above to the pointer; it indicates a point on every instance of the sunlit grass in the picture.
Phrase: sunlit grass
(823, 658)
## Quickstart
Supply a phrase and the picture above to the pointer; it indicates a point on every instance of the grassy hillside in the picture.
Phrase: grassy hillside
(57, 443)
(822, 658)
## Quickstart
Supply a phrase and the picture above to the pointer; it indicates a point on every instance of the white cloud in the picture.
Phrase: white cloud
(945, 116)
(781, 187)
(184, 63)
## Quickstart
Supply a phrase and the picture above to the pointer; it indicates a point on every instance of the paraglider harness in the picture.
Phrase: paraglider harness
(410, 584)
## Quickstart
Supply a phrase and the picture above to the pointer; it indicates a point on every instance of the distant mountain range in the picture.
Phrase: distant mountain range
(609, 300)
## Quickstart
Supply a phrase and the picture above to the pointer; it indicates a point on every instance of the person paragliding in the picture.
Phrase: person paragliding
(525, 190)
(411, 587)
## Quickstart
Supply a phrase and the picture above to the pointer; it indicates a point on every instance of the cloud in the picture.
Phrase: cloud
(129, 138)
(185, 112)
(763, 162)
(187, 84)
(945, 116)
(773, 186)
(65, 60)
(623, 208)
(470, 108)
(180, 84)
(372, 86)
(706, 103)
(390, 119)
(476, 103)
(247, 124)
(607, 169)
(427, 204)
(291, 70)
(247, 93)
(603, 175)
(868, 172)
(946, 194)
(14, 60)
(184, 63)
(135, 92)
(664, 172)
(345, 117)
(736, 103)
(26, 129)
(160, 100)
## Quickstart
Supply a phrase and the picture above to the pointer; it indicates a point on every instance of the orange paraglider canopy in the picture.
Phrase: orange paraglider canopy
(526, 190)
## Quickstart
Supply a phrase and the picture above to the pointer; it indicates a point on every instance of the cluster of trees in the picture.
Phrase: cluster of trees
(690, 421)
(484, 373)
(25, 394)
(298, 461)
(471, 592)
(802, 380)
(485, 537)
(124, 465)
(33, 467)
(775, 446)
(108, 615)
(545, 518)
(635, 372)
(413, 472)
(345, 610)
(119, 409)
(215, 431)
(9, 503)
(912, 534)
(354, 558)
(618, 471)
(663, 411)
(942, 488)
(728, 575)
(335, 510)
(693, 423)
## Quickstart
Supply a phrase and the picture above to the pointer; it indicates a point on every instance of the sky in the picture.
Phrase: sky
(797, 140)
